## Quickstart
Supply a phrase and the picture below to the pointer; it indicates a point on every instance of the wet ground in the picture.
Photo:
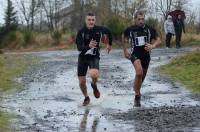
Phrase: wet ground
(50, 99)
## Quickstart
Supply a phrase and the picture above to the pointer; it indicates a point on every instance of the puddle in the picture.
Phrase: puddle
(54, 103)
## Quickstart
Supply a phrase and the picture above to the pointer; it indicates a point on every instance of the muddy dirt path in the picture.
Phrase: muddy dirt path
(50, 99)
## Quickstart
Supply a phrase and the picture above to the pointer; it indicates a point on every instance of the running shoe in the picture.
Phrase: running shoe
(86, 101)
(137, 101)
(95, 90)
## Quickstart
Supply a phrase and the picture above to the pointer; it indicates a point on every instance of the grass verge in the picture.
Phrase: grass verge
(11, 66)
(4, 122)
(186, 70)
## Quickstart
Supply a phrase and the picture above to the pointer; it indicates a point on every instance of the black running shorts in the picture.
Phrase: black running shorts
(87, 61)
(144, 60)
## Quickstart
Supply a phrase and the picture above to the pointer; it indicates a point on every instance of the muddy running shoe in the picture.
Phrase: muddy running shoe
(86, 101)
(95, 90)
(137, 101)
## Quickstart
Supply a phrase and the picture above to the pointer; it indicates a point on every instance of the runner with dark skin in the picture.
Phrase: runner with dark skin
(88, 44)
(143, 39)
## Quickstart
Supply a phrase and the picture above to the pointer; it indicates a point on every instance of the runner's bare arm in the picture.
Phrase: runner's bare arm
(124, 45)
(108, 34)
(155, 43)
(108, 38)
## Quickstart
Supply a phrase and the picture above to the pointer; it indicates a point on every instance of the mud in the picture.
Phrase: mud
(50, 99)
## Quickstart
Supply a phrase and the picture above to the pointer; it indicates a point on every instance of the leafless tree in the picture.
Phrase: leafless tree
(52, 10)
(163, 7)
(139, 5)
(28, 10)
(77, 14)
(114, 7)
(198, 21)
(103, 10)
(181, 4)
(127, 8)
(191, 17)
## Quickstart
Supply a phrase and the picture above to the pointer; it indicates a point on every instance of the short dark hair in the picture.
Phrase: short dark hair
(138, 13)
(90, 14)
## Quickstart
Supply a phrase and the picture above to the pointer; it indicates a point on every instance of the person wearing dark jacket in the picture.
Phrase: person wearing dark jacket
(179, 28)
(88, 41)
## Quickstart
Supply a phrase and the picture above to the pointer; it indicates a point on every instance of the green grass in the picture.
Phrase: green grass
(11, 66)
(4, 122)
(186, 70)
(195, 43)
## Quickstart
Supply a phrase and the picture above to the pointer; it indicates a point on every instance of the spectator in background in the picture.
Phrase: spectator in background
(179, 28)
(169, 30)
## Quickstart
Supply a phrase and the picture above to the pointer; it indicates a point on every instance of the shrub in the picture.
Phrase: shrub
(8, 39)
(56, 35)
(28, 37)
(2, 36)
(1, 51)
(12, 36)
(154, 23)
(117, 25)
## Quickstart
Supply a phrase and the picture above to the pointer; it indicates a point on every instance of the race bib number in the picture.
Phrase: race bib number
(140, 41)
(92, 51)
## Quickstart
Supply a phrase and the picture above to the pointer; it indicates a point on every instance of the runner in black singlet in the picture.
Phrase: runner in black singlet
(142, 39)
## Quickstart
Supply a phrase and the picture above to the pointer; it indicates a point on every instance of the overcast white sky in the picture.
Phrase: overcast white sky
(195, 5)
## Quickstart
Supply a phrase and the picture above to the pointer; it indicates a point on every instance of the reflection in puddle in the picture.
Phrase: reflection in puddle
(84, 122)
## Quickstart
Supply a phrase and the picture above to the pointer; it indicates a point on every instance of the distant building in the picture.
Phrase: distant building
(62, 18)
